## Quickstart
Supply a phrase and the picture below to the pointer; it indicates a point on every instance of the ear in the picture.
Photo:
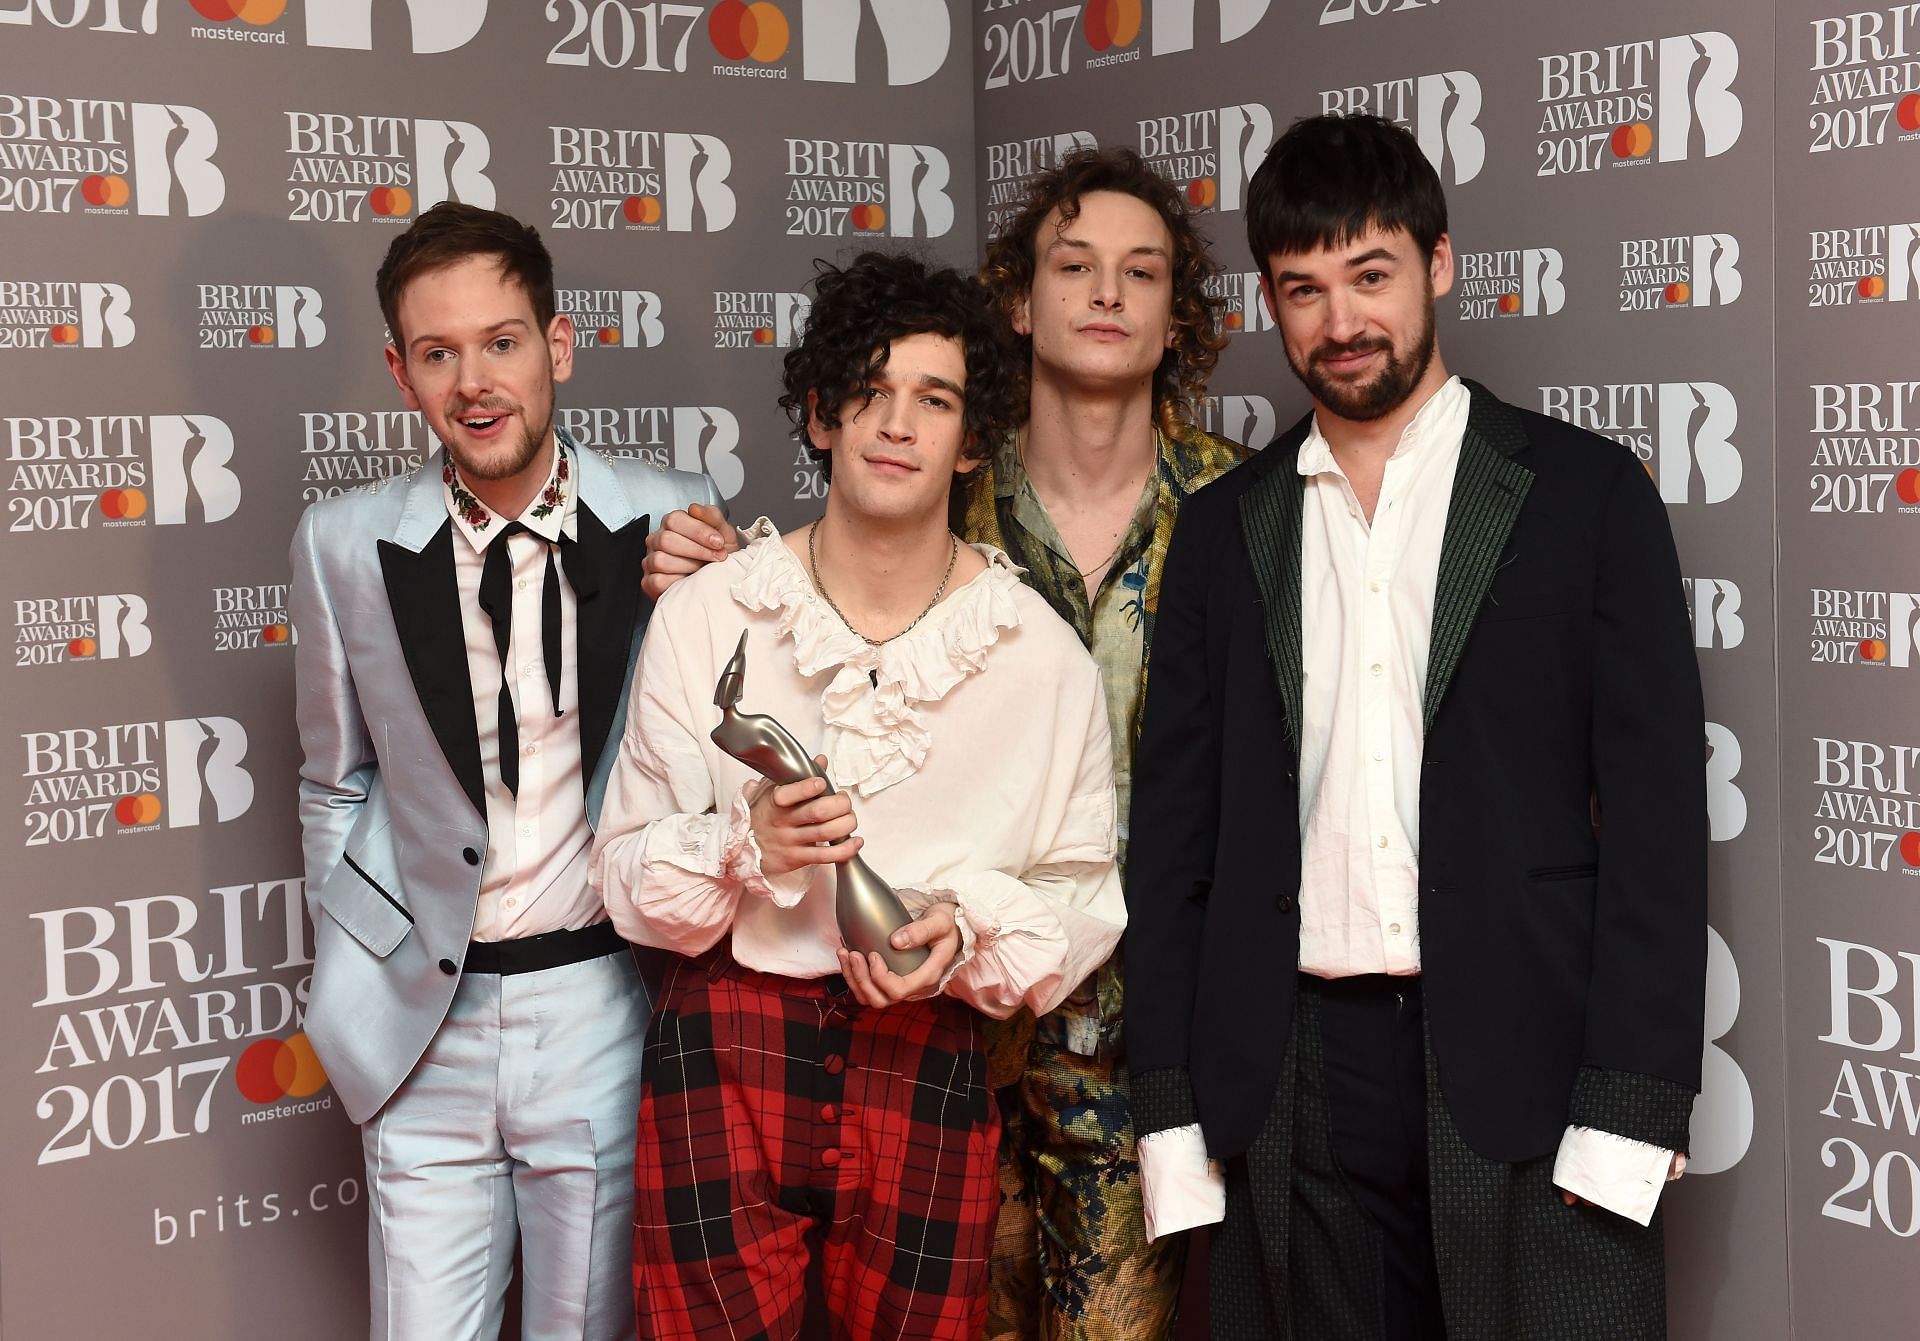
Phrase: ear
(1440, 269)
(1022, 317)
(397, 368)
(560, 346)
(967, 464)
(1268, 300)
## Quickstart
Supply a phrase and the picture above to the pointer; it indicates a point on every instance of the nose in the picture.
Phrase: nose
(1344, 317)
(473, 378)
(896, 421)
(1106, 289)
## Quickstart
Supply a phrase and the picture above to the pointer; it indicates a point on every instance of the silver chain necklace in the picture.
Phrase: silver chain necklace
(813, 567)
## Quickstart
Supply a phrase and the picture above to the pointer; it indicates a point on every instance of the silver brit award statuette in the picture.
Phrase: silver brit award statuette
(865, 906)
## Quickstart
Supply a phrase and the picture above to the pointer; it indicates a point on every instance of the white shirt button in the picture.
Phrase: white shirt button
(1383, 840)
(526, 831)
(1375, 668)
(522, 584)
(531, 749)
(1373, 586)
(510, 901)
(1394, 928)
(1379, 754)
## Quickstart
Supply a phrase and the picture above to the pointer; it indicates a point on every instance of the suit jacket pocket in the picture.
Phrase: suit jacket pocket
(362, 895)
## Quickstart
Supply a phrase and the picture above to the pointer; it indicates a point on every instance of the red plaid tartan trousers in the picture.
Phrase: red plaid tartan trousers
(776, 1110)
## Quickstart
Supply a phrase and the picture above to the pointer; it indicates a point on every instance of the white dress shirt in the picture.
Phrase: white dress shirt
(975, 747)
(1367, 590)
(534, 879)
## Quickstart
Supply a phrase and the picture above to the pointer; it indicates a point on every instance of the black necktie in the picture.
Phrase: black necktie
(496, 599)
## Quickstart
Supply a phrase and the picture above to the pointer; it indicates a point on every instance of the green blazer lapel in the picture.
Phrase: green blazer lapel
(1270, 516)
(1488, 488)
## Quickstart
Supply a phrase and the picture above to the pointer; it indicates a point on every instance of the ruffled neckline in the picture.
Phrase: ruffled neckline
(875, 733)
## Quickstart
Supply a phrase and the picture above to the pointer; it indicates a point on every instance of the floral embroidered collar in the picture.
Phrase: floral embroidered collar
(477, 519)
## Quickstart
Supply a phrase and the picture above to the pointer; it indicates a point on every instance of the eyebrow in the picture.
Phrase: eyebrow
(927, 379)
(492, 331)
(1076, 244)
(1353, 262)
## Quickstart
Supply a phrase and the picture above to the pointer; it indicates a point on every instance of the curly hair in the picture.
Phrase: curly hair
(1181, 379)
(857, 314)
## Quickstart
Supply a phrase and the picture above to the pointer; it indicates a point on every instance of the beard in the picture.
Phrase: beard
(1386, 390)
(508, 458)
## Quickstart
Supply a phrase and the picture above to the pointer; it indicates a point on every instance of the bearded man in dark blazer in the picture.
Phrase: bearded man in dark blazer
(1418, 890)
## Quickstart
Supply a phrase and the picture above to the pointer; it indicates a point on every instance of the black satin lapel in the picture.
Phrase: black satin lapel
(603, 568)
(1270, 516)
(425, 599)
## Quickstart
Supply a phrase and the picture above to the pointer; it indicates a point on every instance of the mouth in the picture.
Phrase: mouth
(892, 465)
(1348, 361)
(481, 423)
(1105, 331)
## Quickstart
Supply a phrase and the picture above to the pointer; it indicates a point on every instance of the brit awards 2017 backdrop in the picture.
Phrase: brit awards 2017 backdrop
(194, 195)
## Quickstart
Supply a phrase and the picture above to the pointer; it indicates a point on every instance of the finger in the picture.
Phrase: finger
(825, 809)
(853, 968)
(920, 931)
(837, 853)
(830, 832)
(718, 534)
(687, 547)
(1567, 1198)
(790, 794)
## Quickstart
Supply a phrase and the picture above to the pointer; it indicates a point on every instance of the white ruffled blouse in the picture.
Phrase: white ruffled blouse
(975, 747)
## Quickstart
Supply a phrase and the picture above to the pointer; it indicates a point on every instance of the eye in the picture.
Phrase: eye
(436, 356)
(1374, 278)
(503, 345)
(1301, 291)
(936, 402)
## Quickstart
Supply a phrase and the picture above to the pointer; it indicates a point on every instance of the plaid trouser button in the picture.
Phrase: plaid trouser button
(775, 1112)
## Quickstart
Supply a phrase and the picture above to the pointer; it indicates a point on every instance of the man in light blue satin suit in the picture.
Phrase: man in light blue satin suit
(466, 639)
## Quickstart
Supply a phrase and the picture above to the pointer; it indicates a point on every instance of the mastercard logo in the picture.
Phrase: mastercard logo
(106, 191)
(123, 504)
(256, 12)
(740, 31)
(1910, 848)
(260, 335)
(1234, 321)
(1872, 286)
(763, 336)
(1633, 140)
(1509, 303)
(1679, 292)
(83, 647)
(1907, 485)
(274, 1069)
(137, 809)
(64, 335)
(275, 633)
(1112, 23)
(1202, 192)
(869, 218)
(390, 202)
(609, 335)
(1908, 113)
(641, 209)
(1873, 649)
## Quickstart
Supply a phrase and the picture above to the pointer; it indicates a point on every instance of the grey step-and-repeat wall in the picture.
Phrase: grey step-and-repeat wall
(194, 195)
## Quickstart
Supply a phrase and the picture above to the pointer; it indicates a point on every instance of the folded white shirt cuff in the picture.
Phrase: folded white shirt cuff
(1622, 1175)
(1180, 1187)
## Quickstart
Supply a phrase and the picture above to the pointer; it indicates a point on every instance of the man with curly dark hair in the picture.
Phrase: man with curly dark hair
(1102, 276)
(793, 1089)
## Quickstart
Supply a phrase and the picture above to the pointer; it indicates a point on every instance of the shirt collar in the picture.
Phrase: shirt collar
(1316, 453)
(550, 515)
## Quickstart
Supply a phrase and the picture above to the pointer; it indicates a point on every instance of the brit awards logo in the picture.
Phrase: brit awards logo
(837, 188)
(249, 618)
(612, 318)
(1682, 432)
(1866, 447)
(344, 168)
(1877, 264)
(1713, 604)
(763, 320)
(700, 438)
(1247, 420)
(64, 314)
(1442, 110)
(1525, 282)
(55, 630)
(345, 449)
(1867, 87)
(1210, 154)
(1670, 274)
(1636, 103)
(93, 156)
(754, 39)
(1868, 814)
(107, 471)
(259, 316)
(86, 782)
(640, 180)
(1013, 164)
(1245, 306)
(1863, 628)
